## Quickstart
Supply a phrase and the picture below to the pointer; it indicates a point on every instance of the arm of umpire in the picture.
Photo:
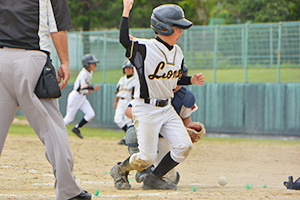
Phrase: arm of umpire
(60, 41)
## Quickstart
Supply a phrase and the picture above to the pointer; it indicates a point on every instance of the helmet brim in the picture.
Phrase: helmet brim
(182, 23)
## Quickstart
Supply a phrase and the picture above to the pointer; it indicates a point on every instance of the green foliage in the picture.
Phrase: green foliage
(102, 14)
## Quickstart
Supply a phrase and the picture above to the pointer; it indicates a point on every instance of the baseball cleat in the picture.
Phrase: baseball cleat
(292, 185)
(84, 195)
(120, 178)
(121, 142)
(152, 182)
(139, 176)
(77, 132)
(174, 179)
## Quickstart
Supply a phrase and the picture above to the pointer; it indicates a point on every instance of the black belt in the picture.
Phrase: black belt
(122, 98)
(159, 102)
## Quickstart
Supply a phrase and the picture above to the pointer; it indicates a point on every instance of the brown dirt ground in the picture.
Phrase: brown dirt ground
(26, 174)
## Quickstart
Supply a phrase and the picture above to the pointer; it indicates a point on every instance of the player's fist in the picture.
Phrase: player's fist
(127, 5)
(198, 79)
(96, 87)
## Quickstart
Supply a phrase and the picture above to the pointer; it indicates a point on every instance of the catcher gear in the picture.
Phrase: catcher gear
(87, 59)
(196, 131)
(183, 97)
(165, 16)
(185, 70)
(292, 185)
(131, 140)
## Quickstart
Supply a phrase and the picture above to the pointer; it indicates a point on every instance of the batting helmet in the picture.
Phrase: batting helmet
(165, 16)
(126, 63)
(87, 59)
(185, 70)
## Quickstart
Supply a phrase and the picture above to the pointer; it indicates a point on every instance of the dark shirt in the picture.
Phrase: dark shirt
(27, 24)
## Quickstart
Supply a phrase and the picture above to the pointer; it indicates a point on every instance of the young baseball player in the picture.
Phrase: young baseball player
(184, 104)
(77, 97)
(158, 69)
(124, 94)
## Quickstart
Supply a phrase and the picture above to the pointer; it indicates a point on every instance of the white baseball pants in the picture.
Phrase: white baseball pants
(78, 101)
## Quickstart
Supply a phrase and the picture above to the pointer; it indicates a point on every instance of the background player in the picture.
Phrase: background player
(124, 94)
(158, 65)
(77, 97)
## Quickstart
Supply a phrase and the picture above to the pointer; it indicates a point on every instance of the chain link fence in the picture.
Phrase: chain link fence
(243, 46)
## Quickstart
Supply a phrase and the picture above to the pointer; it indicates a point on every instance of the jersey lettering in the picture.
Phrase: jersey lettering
(168, 75)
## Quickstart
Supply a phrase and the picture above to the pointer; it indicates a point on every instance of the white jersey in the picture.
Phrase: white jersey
(125, 87)
(83, 81)
(158, 75)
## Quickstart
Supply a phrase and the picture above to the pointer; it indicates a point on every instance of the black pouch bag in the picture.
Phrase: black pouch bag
(47, 86)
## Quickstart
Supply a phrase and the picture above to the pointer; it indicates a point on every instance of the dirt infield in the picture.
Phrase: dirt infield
(26, 174)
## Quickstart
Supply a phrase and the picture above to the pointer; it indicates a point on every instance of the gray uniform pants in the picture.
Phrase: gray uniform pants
(19, 72)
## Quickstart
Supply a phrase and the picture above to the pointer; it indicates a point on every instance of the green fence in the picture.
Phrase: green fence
(243, 46)
(265, 109)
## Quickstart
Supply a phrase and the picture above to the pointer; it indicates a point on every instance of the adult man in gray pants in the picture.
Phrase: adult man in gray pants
(25, 29)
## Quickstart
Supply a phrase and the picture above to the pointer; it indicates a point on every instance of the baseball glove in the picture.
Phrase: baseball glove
(196, 131)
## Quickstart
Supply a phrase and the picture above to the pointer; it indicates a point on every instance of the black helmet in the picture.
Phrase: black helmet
(165, 16)
(87, 59)
(126, 63)
(185, 70)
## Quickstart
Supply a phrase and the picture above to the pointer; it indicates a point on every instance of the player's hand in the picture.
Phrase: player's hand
(127, 5)
(63, 73)
(96, 87)
(198, 79)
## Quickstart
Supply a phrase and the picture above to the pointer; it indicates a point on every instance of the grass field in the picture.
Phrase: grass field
(255, 75)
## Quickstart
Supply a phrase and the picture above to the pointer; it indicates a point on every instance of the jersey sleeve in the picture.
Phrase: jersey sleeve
(59, 15)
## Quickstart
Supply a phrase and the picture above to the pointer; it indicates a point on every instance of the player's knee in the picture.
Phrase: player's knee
(181, 152)
(139, 164)
(131, 140)
(90, 116)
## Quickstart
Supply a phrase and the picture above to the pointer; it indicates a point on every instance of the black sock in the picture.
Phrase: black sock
(124, 128)
(82, 123)
(165, 165)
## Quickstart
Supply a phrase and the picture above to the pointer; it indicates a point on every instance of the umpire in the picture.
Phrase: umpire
(25, 29)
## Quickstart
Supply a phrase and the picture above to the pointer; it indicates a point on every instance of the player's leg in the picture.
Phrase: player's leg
(163, 148)
(8, 103)
(73, 103)
(89, 112)
(45, 118)
(174, 131)
(120, 114)
(147, 124)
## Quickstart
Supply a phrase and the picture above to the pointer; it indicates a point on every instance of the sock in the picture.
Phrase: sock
(165, 165)
(124, 128)
(82, 123)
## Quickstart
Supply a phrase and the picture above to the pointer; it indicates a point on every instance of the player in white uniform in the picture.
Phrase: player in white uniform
(124, 93)
(77, 97)
(158, 69)
(184, 104)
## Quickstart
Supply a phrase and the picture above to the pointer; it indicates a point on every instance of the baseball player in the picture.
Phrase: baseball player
(77, 97)
(26, 27)
(158, 69)
(184, 104)
(124, 94)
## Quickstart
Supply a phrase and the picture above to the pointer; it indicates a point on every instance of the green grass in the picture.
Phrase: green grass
(110, 134)
(255, 75)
